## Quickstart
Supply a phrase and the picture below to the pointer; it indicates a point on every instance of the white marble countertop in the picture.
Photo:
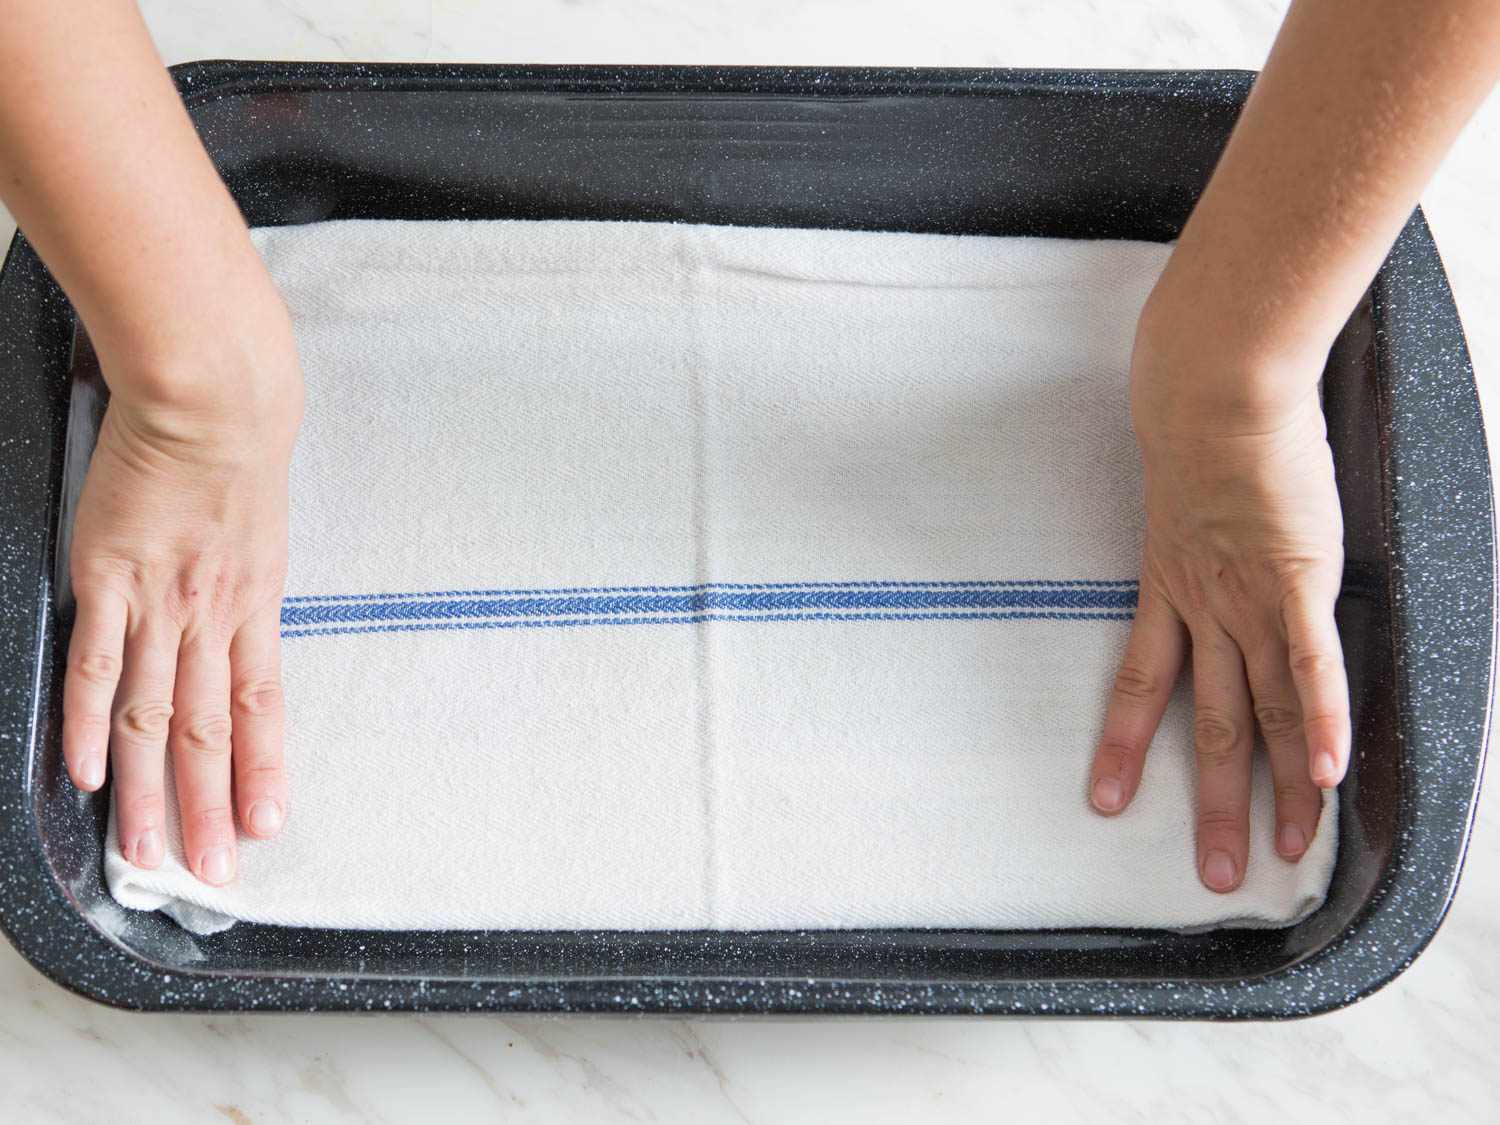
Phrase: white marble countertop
(1421, 1048)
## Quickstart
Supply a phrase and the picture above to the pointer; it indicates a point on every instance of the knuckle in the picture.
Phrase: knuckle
(1290, 794)
(213, 823)
(206, 734)
(1309, 663)
(1115, 756)
(258, 589)
(106, 572)
(1290, 575)
(1217, 738)
(1219, 821)
(259, 695)
(143, 809)
(180, 602)
(1308, 581)
(203, 595)
(80, 722)
(1135, 683)
(145, 720)
(263, 776)
(1193, 602)
(98, 667)
(1229, 582)
(199, 577)
(1278, 721)
(1330, 727)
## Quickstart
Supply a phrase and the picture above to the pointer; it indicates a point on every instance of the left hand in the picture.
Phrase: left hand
(178, 557)
(1243, 560)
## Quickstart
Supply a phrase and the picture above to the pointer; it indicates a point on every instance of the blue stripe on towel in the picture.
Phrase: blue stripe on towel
(1028, 599)
(880, 584)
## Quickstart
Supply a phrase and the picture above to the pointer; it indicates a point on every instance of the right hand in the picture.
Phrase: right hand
(178, 560)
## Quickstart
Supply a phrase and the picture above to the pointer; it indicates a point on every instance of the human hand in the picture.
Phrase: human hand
(178, 559)
(1243, 560)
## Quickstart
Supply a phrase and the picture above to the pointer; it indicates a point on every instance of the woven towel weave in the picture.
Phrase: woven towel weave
(663, 576)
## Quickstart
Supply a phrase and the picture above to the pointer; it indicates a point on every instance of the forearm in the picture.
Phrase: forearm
(105, 174)
(1357, 104)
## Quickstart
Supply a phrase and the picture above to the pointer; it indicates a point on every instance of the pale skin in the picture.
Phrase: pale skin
(1243, 559)
(180, 547)
(180, 542)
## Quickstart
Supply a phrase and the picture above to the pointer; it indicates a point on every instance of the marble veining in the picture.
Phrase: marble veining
(1418, 1048)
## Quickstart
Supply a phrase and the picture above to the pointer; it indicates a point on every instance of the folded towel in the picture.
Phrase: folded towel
(654, 576)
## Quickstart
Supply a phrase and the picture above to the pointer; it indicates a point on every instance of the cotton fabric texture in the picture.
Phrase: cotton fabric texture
(657, 576)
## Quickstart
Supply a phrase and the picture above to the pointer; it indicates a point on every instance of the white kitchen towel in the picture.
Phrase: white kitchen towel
(655, 576)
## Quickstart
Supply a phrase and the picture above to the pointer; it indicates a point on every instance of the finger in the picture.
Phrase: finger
(200, 758)
(1316, 659)
(1142, 687)
(138, 740)
(95, 657)
(1222, 741)
(257, 724)
(1278, 713)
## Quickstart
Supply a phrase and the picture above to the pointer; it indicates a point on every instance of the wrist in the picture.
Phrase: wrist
(217, 365)
(184, 321)
(1194, 373)
(143, 304)
(1220, 353)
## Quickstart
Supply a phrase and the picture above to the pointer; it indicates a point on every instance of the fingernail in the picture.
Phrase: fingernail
(265, 817)
(1218, 870)
(1325, 770)
(91, 773)
(1108, 795)
(216, 866)
(1293, 841)
(148, 849)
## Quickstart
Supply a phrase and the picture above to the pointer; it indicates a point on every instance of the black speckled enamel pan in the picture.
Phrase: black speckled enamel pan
(1057, 154)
